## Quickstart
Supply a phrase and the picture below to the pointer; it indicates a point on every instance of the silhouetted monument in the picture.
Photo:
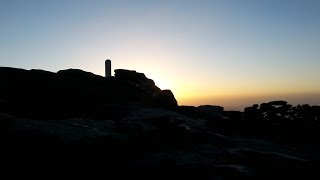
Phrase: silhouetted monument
(108, 68)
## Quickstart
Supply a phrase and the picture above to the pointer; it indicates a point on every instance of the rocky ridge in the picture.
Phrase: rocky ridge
(127, 124)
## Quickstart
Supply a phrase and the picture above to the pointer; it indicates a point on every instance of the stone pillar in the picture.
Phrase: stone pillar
(108, 68)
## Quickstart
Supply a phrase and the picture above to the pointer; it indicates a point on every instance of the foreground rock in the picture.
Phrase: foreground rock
(147, 140)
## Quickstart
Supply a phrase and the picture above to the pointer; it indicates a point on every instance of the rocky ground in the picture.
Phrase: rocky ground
(79, 123)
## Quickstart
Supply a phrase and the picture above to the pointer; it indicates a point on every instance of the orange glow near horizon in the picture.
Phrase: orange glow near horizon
(194, 88)
(239, 102)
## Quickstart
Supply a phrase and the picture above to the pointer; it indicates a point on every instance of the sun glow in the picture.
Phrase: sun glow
(162, 83)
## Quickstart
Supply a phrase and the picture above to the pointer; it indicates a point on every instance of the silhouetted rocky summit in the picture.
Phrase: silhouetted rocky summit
(76, 93)
(122, 126)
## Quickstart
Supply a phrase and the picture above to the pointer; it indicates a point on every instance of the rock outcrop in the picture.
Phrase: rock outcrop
(76, 122)
(74, 93)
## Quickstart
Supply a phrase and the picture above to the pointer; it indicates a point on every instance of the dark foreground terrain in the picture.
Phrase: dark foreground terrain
(83, 125)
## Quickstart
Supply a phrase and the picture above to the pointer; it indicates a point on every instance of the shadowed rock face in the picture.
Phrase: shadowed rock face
(73, 92)
(136, 79)
(125, 126)
(164, 98)
(152, 95)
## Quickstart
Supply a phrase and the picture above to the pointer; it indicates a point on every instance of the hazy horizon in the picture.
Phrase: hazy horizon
(220, 52)
(238, 103)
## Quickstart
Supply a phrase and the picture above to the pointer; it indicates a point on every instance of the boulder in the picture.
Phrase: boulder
(278, 103)
(165, 99)
(210, 109)
(137, 79)
(210, 112)
(190, 111)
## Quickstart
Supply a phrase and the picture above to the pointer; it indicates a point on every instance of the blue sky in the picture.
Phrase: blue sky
(227, 52)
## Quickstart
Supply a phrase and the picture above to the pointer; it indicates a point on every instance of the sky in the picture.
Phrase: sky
(232, 53)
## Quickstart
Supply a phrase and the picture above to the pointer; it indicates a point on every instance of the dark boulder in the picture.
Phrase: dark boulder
(151, 93)
(165, 99)
(210, 112)
(210, 109)
(190, 111)
(278, 103)
(137, 79)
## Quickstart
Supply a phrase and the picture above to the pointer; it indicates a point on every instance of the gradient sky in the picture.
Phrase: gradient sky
(225, 52)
